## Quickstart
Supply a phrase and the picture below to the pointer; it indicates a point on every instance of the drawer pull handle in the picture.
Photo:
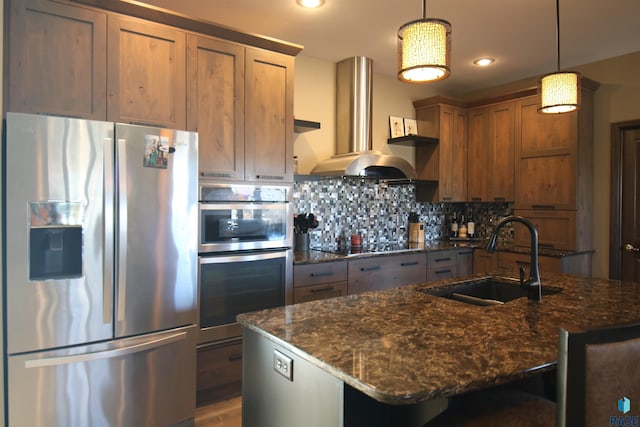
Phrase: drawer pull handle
(322, 274)
(235, 357)
(476, 199)
(325, 289)
(546, 245)
(377, 267)
(443, 259)
(446, 198)
(273, 177)
(408, 264)
(500, 199)
(443, 271)
(543, 206)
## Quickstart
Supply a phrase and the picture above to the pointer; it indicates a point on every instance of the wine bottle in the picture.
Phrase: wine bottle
(454, 225)
(471, 226)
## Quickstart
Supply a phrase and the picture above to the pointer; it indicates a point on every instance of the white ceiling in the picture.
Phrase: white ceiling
(520, 34)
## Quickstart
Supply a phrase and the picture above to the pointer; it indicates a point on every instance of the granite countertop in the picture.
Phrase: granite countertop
(402, 346)
(315, 256)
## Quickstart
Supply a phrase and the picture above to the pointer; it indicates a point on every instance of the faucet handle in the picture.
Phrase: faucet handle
(521, 269)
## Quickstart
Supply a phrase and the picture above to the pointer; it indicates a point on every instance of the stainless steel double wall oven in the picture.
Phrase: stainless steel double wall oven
(245, 254)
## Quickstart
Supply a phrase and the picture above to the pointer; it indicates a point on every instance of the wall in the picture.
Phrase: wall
(615, 101)
(314, 99)
(1, 210)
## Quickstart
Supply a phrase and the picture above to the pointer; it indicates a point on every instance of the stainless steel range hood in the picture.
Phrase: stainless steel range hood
(354, 154)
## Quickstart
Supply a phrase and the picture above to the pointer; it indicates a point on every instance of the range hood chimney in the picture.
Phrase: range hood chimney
(354, 147)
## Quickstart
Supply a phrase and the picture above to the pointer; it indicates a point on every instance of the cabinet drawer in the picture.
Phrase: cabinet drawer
(435, 274)
(384, 272)
(320, 273)
(441, 259)
(512, 261)
(323, 291)
(219, 371)
(556, 229)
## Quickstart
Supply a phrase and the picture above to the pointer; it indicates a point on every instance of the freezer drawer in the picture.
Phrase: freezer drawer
(147, 380)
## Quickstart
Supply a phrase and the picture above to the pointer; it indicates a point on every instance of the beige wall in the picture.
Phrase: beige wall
(1, 272)
(617, 99)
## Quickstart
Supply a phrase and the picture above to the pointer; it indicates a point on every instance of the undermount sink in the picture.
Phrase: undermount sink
(485, 291)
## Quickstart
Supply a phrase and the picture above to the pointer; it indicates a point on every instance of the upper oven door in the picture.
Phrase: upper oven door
(244, 217)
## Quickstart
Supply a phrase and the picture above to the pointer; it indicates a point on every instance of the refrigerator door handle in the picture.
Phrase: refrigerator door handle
(121, 236)
(107, 354)
(108, 232)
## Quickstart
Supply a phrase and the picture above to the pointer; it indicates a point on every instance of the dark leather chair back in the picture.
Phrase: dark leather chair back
(598, 376)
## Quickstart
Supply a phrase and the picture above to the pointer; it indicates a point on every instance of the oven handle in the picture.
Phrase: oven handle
(239, 257)
(208, 206)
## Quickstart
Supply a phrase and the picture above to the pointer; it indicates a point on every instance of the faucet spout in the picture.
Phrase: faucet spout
(532, 284)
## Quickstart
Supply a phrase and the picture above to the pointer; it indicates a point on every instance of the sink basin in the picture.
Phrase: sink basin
(486, 291)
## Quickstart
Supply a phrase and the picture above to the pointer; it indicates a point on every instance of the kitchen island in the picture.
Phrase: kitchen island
(322, 361)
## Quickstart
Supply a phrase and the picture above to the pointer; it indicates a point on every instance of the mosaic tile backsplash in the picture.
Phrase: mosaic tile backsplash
(380, 212)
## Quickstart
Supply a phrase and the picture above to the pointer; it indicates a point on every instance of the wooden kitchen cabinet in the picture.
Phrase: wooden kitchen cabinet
(268, 116)
(386, 271)
(501, 145)
(146, 73)
(445, 162)
(449, 263)
(578, 263)
(215, 105)
(240, 100)
(57, 59)
(491, 153)
(484, 262)
(478, 167)
(554, 172)
(319, 281)
(218, 371)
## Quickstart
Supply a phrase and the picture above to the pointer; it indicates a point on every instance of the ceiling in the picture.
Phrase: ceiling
(519, 34)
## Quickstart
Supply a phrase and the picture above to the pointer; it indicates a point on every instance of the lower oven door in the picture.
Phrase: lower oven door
(235, 283)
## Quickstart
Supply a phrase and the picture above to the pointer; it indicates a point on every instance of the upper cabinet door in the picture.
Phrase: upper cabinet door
(453, 154)
(146, 80)
(269, 116)
(478, 168)
(501, 152)
(215, 105)
(546, 151)
(57, 60)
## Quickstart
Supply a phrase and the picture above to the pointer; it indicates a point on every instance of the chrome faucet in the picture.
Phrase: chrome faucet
(532, 285)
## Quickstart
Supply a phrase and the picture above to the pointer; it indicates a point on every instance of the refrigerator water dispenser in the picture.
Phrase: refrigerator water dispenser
(55, 240)
(55, 253)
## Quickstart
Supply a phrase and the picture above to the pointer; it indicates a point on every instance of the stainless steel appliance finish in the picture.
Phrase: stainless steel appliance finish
(245, 254)
(234, 282)
(237, 217)
(101, 273)
(354, 145)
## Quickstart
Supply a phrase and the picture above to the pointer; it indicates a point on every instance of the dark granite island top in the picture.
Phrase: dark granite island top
(402, 346)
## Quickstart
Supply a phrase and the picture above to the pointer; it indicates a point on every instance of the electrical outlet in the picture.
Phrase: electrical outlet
(283, 365)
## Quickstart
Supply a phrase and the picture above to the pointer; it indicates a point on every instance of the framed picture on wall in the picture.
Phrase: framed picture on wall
(410, 127)
(396, 126)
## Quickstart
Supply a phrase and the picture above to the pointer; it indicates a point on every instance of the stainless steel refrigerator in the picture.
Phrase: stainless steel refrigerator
(100, 273)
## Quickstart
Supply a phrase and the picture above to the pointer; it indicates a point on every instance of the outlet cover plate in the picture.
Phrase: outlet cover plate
(283, 365)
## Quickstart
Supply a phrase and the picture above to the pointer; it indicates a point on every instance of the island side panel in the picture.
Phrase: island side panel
(313, 398)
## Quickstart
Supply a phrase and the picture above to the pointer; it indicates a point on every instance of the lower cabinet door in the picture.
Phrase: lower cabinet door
(219, 371)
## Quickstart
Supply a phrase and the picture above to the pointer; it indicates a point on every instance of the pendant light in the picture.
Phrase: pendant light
(424, 49)
(559, 92)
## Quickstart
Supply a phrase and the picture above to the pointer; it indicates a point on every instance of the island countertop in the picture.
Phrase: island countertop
(402, 346)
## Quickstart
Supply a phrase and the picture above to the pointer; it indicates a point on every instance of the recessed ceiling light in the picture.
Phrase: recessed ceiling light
(310, 4)
(483, 62)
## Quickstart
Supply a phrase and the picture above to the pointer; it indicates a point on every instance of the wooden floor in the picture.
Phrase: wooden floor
(227, 413)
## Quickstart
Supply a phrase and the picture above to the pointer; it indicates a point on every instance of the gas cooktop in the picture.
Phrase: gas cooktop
(374, 248)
